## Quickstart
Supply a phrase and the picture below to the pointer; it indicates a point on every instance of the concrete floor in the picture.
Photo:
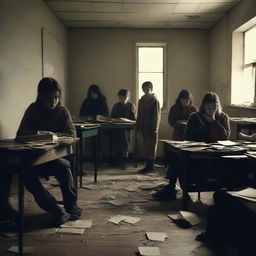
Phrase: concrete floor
(133, 197)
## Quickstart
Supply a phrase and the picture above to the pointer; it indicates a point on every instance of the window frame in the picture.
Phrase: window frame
(165, 88)
(250, 64)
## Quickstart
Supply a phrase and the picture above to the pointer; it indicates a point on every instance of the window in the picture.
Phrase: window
(151, 67)
(244, 93)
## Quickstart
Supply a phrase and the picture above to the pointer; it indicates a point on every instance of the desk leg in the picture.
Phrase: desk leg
(135, 148)
(96, 158)
(21, 213)
(81, 153)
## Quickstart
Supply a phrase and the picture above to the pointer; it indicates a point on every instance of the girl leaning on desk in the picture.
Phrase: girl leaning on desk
(209, 124)
(47, 114)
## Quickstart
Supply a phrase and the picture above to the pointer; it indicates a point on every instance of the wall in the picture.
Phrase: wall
(21, 57)
(107, 57)
(220, 44)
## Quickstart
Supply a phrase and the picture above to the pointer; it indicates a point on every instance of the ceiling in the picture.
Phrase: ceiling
(199, 14)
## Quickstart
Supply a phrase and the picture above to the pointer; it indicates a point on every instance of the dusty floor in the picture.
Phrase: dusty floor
(117, 192)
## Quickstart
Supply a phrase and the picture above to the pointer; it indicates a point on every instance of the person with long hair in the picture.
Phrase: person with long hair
(209, 124)
(180, 112)
(46, 115)
(94, 104)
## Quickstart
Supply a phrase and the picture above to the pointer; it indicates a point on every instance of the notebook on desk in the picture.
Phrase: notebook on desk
(37, 137)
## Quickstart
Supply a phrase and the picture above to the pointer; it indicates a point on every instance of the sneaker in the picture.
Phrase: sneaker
(146, 170)
(62, 219)
(165, 194)
(75, 210)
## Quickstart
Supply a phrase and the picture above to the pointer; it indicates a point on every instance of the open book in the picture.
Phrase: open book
(104, 119)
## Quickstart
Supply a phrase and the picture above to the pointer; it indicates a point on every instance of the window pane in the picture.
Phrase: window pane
(150, 59)
(250, 46)
(244, 94)
(157, 81)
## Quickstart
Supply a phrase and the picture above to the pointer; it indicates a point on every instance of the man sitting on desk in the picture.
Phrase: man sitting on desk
(210, 124)
(47, 115)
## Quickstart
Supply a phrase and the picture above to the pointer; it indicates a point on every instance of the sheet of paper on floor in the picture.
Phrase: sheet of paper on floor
(190, 217)
(227, 142)
(72, 231)
(174, 216)
(26, 249)
(117, 202)
(156, 236)
(129, 219)
(78, 224)
(149, 251)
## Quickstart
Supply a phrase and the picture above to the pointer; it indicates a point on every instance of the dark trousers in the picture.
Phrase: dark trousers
(60, 168)
(121, 142)
(5, 184)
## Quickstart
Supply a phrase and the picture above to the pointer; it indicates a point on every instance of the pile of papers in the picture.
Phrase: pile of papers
(74, 227)
(248, 194)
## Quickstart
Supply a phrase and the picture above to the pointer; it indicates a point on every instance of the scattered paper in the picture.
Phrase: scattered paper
(190, 217)
(15, 249)
(74, 231)
(234, 156)
(109, 197)
(117, 202)
(156, 236)
(248, 193)
(77, 224)
(227, 142)
(118, 218)
(149, 251)
(174, 216)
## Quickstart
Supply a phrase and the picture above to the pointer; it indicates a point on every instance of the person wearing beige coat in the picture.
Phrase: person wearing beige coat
(148, 122)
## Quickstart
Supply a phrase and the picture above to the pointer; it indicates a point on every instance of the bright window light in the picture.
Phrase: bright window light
(151, 68)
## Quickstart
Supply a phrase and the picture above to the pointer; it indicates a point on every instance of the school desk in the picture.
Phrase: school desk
(87, 131)
(247, 123)
(213, 154)
(17, 157)
(117, 126)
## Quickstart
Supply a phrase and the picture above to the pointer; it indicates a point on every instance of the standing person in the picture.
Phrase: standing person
(43, 116)
(180, 112)
(94, 104)
(124, 109)
(210, 124)
(148, 122)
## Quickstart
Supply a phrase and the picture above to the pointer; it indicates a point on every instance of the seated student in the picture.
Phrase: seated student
(94, 104)
(210, 124)
(148, 122)
(180, 112)
(124, 109)
(47, 115)
(231, 220)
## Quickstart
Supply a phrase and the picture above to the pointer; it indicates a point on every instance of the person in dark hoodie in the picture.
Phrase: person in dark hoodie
(208, 125)
(180, 112)
(94, 104)
(46, 115)
(148, 122)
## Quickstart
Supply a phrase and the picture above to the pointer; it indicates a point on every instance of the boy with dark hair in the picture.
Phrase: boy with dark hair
(148, 122)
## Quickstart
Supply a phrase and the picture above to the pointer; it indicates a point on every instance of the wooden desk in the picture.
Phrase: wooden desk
(124, 126)
(208, 152)
(247, 123)
(83, 132)
(19, 157)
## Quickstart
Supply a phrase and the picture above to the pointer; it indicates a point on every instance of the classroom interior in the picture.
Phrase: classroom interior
(94, 42)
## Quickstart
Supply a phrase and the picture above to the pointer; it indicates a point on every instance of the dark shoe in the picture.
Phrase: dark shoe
(62, 219)
(165, 194)
(146, 169)
(123, 164)
(75, 212)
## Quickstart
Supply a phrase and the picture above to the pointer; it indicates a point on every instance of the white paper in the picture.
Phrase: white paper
(74, 231)
(190, 217)
(77, 224)
(235, 156)
(129, 219)
(149, 251)
(245, 193)
(227, 142)
(174, 216)
(156, 236)
(15, 249)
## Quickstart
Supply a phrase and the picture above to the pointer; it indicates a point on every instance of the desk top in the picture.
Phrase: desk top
(12, 145)
(238, 147)
(243, 120)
